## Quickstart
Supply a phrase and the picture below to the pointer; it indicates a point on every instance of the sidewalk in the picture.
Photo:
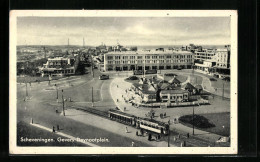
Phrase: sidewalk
(118, 87)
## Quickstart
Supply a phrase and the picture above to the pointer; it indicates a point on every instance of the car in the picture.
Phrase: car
(132, 78)
(102, 77)
(213, 79)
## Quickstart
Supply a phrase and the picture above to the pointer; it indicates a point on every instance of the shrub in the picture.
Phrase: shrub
(199, 121)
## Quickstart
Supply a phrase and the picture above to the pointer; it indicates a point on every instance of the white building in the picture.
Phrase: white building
(137, 60)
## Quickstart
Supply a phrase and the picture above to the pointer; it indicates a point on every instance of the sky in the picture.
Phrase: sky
(126, 30)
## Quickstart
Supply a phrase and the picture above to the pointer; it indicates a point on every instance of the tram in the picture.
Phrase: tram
(122, 117)
(140, 123)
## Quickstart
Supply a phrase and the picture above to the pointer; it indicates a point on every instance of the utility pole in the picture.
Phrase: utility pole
(63, 103)
(193, 120)
(57, 97)
(223, 92)
(193, 106)
(169, 131)
(26, 91)
(92, 98)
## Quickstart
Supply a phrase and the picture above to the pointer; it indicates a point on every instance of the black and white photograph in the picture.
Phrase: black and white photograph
(123, 82)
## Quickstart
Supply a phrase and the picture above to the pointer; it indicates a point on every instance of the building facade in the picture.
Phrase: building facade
(58, 66)
(204, 54)
(137, 60)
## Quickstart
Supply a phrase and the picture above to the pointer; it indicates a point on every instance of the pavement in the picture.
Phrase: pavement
(118, 87)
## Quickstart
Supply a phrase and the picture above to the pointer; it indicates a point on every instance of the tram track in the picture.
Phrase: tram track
(193, 142)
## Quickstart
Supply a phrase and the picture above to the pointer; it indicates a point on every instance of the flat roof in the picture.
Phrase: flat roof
(149, 52)
(175, 91)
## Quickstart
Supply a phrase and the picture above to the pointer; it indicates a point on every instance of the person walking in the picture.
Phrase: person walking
(126, 130)
(53, 129)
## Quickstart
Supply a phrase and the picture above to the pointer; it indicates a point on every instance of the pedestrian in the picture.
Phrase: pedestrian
(188, 135)
(133, 144)
(124, 108)
(53, 129)
(165, 114)
(58, 127)
(142, 132)
(179, 136)
(136, 133)
(56, 111)
(31, 120)
(126, 130)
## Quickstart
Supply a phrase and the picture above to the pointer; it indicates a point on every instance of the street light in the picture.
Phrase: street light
(193, 120)
(57, 92)
(62, 103)
(169, 131)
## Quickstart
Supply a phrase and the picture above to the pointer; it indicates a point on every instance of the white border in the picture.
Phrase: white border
(13, 149)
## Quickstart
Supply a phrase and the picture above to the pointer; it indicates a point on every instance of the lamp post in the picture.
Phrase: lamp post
(57, 97)
(62, 103)
(92, 97)
(169, 131)
(193, 120)
(223, 92)
(26, 91)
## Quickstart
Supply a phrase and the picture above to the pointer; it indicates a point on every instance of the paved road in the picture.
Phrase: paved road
(42, 105)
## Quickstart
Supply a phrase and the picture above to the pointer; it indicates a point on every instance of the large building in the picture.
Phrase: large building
(137, 60)
(204, 54)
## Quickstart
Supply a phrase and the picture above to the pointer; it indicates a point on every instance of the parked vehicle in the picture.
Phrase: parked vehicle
(103, 77)
(212, 79)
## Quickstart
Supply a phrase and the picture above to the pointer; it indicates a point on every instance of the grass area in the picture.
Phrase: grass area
(220, 120)
(199, 121)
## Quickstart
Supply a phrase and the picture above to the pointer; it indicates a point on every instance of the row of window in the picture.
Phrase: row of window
(175, 97)
(148, 57)
(148, 61)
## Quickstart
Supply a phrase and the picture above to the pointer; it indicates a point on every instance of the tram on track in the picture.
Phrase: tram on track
(146, 124)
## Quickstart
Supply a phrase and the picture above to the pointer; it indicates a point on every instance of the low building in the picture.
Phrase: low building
(174, 96)
(58, 66)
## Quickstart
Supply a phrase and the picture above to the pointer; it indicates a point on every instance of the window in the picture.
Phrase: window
(139, 57)
(110, 57)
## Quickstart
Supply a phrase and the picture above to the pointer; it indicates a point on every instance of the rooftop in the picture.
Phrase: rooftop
(175, 91)
(149, 52)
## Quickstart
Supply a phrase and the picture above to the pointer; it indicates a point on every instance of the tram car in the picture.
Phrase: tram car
(152, 126)
(122, 117)
(141, 123)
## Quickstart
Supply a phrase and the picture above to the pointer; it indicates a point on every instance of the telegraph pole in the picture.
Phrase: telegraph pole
(63, 103)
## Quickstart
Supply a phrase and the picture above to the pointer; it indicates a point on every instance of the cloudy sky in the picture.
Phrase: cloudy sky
(128, 31)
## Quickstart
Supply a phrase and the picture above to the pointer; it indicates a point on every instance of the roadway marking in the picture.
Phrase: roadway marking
(64, 135)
